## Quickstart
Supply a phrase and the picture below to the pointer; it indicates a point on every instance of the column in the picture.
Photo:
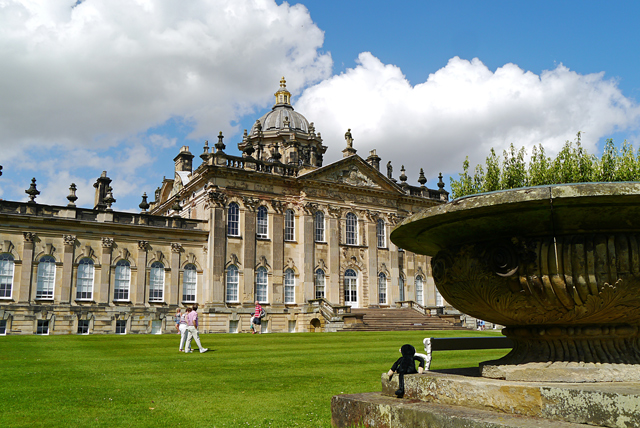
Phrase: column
(174, 296)
(332, 282)
(277, 255)
(370, 228)
(217, 255)
(307, 243)
(66, 294)
(24, 292)
(248, 294)
(138, 290)
(104, 293)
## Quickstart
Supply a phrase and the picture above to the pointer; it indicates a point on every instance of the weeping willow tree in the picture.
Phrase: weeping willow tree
(573, 164)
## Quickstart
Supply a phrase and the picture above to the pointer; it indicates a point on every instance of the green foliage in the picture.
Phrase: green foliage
(572, 165)
(271, 380)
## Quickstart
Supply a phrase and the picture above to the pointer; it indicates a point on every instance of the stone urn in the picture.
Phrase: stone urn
(558, 265)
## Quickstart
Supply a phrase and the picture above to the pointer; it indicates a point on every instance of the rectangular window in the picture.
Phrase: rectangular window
(289, 228)
(3, 327)
(352, 229)
(121, 327)
(156, 327)
(292, 326)
(6, 275)
(43, 327)
(233, 326)
(189, 281)
(319, 226)
(83, 326)
(289, 286)
(232, 284)
(84, 286)
(123, 281)
(46, 278)
(261, 227)
(156, 282)
(319, 284)
(233, 220)
(380, 233)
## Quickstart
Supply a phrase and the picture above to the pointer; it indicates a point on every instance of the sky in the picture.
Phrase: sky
(120, 85)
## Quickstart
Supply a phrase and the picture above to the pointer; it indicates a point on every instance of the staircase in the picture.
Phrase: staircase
(401, 319)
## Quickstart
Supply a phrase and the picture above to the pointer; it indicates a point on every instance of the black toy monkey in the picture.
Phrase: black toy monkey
(406, 365)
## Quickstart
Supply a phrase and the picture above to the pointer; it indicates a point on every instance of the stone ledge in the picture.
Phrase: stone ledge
(377, 410)
(609, 404)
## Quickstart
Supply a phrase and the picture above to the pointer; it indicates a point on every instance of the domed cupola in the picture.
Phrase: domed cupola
(282, 116)
(286, 131)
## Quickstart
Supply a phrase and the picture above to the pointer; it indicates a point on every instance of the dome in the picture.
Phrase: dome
(276, 118)
(281, 113)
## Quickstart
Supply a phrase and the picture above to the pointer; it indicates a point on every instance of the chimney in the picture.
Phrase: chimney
(184, 160)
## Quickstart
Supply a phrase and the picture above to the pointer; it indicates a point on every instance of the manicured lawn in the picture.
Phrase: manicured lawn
(272, 380)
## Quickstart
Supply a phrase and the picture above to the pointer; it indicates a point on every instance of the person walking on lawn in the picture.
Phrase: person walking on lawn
(257, 319)
(192, 329)
(181, 326)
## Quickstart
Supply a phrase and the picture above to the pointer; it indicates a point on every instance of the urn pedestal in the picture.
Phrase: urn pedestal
(559, 266)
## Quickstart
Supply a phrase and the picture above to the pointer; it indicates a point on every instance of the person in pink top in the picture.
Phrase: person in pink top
(192, 330)
(257, 319)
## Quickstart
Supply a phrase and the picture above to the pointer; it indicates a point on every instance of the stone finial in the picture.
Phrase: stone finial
(144, 205)
(109, 199)
(374, 160)
(176, 205)
(403, 176)
(440, 184)
(422, 179)
(72, 195)
(205, 151)
(248, 150)
(220, 145)
(0, 170)
(275, 154)
(32, 191)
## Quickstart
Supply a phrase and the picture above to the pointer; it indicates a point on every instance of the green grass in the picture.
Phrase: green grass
(272, 380)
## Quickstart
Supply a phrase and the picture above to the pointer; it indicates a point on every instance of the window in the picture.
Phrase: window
(189, 283)
(46, 277)
(401, 288)
(233, 220)
(352, 229)
(3, 327)
(232, 284)
(261, 284)
(419, 290)
(292, 326)
(123, 280)
(262, 220)
(439, 300)
(380, 233)
(289, 229)
(156, 282)
(233, 326)
(319, 226)
(156, 327)
(84, 283)
(121, 327)
(382, 289)
(319, 284)
(43, 327)
(350, 287)
(6, 275)
(289, 286)
(83, 326)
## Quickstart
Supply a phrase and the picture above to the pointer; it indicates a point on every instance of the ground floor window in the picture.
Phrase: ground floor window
(43, 327)
(3, 327)
(401, 288)
(83, 326)
(382, 289)
(156, 327)
(419, 290)
(121, 327)
(319, 284)
(439, 300)
(289, 286)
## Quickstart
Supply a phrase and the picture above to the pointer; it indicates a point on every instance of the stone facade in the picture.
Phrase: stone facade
(309, 241)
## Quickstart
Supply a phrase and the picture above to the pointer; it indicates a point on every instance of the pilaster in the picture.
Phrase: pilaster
(104, 294)
(65, 295)
(333, 283)
(174, 296)
(248, 294)
(277, 290)
(138, 290)
(23, 291)
(217, 255)
(373, 263)
(307, 243)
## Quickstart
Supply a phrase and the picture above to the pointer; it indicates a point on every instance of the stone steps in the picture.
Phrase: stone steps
(402, 319)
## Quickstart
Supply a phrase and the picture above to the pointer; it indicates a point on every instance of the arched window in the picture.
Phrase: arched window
(289, 226)
(156, 282)
(189, 283)
(289, 286)
(84, 283)
(233, 220)
(261, 226)
(123, 281)
(46, 277)
(401, 288)
(232, 284)
(352, 229)
(262, 281)
(382, 288)
(380, 234)
(419, 290)
(6, 275)
(319, 226)
(350, 287)
(319, 284)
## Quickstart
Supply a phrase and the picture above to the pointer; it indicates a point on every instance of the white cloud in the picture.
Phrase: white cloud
(107, 69)
(462, 109)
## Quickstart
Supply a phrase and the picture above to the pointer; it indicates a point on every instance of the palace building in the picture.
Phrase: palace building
(309, 241)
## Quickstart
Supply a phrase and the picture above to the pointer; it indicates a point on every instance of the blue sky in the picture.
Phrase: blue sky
(121, 85)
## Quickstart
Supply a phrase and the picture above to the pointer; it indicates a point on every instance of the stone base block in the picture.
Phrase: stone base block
(608, 404)
(377, 410)
(562, 372)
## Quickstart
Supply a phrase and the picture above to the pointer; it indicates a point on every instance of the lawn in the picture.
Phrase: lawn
(271, 380)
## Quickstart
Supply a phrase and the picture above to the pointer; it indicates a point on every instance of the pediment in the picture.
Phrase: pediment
(352, 171)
